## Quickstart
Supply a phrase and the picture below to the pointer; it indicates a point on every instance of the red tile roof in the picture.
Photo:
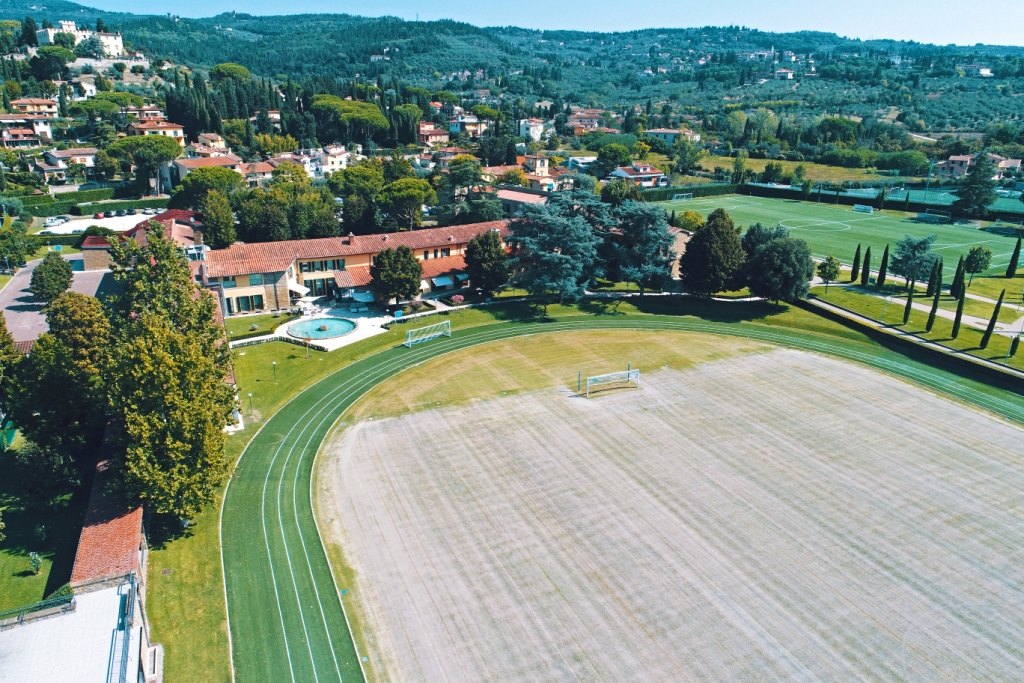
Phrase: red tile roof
(155, 125)
(275, 257)
(436, 267)
(203, 162)
(177, 227)
(111, 537)
(353, 277)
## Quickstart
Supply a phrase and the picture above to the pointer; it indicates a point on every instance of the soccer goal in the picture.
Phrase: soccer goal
(863, 208)
(684, 197)
(626, 377)
(974, 225)
(422, 334)
(935, 216)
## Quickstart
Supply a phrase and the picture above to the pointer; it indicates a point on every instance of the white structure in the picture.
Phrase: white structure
(669, 135)
(86, 156)
(531, 129)
(113, 46)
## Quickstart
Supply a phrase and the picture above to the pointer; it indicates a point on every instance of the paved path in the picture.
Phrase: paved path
(286, 614)
(23, 313)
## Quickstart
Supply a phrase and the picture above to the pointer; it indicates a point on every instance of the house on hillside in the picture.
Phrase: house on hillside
(669, 135)
(642, 174)
(86, 156)
(112, 43)
(531, 129)
(431, 135)
(19, 138)
(35, 105)
(171, 130)
(37, 123)
(181, 226)
(469, 125)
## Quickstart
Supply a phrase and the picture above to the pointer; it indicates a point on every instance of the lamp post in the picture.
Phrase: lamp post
(274, 363)
(250, 407)
(928, 184)
(885, 300)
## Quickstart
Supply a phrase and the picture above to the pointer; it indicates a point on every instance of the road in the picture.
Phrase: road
(286, 615)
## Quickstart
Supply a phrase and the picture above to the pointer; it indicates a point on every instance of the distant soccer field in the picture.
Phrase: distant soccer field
(837, 229)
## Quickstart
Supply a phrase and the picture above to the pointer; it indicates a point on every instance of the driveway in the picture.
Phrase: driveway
(117, 223)
(24, 313)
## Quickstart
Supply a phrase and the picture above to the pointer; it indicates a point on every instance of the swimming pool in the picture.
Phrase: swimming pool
(321, 328)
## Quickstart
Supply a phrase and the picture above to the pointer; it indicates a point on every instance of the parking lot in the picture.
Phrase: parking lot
(117, 223)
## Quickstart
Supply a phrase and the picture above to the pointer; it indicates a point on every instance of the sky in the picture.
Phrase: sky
(999, 22)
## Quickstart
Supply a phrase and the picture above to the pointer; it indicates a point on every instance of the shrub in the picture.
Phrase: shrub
(458, 299)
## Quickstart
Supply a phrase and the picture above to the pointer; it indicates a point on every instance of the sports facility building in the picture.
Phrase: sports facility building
(266, 276)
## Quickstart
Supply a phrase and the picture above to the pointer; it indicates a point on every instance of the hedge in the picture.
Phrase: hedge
(36, 200)
(93, 195)
(697, 190)
(87, 209)
(63, 240)
(51, 209)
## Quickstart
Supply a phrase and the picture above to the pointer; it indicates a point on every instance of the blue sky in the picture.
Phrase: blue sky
(933, 21)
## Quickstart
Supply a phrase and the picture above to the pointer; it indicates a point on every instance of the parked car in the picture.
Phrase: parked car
(131, 212)
(46, 232)
(50, 222)
(78, 231)
(109, 214)
(64, 219)
(99, 214)
(149, 211)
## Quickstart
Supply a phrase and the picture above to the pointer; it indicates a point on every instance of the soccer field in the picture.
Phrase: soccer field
(837, 230)
(770, 515)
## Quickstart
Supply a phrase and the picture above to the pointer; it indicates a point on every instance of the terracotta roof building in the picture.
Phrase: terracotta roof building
(182, 226)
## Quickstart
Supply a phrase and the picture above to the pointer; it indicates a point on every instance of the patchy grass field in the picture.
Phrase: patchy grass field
(837, 229)
(770, 515)
(815, 171)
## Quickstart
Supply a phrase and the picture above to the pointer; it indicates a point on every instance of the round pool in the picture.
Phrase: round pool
(321, 328)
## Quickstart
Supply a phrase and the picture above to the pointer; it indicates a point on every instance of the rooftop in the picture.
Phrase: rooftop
(111, 536)
(69, 153)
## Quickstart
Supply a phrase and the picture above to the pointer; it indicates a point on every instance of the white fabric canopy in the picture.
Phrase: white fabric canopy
(301, 290)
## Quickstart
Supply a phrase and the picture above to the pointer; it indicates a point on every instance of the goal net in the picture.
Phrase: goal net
(976, 225)
(935, 216)
(422, 334)
(626, 377)
(684, 197)
(863, 208)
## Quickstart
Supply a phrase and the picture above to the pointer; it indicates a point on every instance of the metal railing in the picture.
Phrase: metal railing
(120, 646)
(62, 600)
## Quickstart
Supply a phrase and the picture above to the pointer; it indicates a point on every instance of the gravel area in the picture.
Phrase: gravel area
(770, 516)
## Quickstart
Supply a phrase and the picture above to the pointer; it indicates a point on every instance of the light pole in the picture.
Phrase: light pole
(250, 407)
(274, 363)
(885, 300)
(928, 184)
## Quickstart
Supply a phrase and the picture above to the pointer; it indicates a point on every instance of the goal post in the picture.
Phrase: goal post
(863, 208)
(935, 216)
(422, 334)
(624, 377)
(683, 197)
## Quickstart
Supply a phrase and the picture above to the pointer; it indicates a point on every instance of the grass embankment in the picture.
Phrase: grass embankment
(968, 341)
(820, 172)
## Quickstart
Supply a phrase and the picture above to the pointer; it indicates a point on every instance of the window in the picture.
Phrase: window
(446, 251)
(256, 279)
(305, 267)
(227, 281)
(426, 254)
(339, 264)
(435, 253)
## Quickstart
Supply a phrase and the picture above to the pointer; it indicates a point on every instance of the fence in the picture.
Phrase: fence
(63, 600)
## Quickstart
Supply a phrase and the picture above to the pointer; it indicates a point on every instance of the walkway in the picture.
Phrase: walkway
(287, 615)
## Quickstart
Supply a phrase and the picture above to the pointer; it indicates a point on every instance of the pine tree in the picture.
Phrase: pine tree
(958, 280)
(906, 202)
(985, 338)
(865, 274)
(672, 220)
(910, 304)
(883, 268)
(935, 308)
(956, 320)
(856, 265)
(1011, 268)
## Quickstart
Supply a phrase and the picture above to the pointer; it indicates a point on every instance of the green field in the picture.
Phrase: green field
(287, 615)
(837, 229)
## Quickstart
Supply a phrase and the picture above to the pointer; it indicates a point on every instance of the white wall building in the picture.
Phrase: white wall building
(531, 129)
(112, 43)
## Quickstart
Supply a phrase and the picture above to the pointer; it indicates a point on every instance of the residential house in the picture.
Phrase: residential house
(784, 74)
(579, 164)
(267, 275)
(446, 154)
(146, 113)
(960, 165)
(531, 129)
(53, 174)
(256, 173)
(490, 174)
(514, 198)
(642, 174)
(669, 135)
(86, 156)
(38, 123)
(469, 125)
(431, 135)
(181, 226)
(172, 130)
(36, 105)
(19, 138)
(112, 43)
(590, 119)
(172, 173)
(82, 90)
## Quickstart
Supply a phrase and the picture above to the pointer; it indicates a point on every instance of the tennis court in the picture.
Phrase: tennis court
(838, 229)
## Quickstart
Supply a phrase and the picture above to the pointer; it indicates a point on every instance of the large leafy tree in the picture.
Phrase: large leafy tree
(51, 62)
(978, 260)
(714, 256)
(487, 262)
(350, 119)
(147, 153)
(556, 244)
(642, 250)
(688, 155)
(168, 399)
(218, 220)
(620, 190)
(51, 278)
(195, 186)
(359, 186)
(395, 274)
(609, 158)
(781, 270)
(978, 190)
(403, 200)
(912, 257)
(758, 234)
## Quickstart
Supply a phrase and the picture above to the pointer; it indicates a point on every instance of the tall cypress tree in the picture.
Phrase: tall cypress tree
(956, 320)
(958, 280)
(856, 265)
(865, 274)
(931, 279)
(935, 308)
(1011, 268)
(883, 268)
(985, 338)
(1013, 346)
(910, 304)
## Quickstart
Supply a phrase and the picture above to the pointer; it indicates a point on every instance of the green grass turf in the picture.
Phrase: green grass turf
(837, 229)
(266, 323)
(287, 620)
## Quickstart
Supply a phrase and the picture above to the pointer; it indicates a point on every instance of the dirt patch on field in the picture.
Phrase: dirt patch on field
(770, 516)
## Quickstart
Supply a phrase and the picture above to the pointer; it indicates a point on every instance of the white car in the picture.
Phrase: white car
(50, 222)
(149, 212)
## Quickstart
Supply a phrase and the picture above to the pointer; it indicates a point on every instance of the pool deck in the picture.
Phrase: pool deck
(368, 325)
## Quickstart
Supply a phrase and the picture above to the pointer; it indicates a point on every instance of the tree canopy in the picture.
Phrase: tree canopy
(781, 270)
(714, 256)
(51, 278)
(395, 274)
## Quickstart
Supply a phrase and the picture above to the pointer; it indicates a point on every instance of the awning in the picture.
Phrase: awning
(461, 277)
(363, 297)
(424, 286)
(442, 281)
(301, 290)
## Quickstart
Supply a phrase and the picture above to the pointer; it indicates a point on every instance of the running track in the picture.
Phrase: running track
(285, 615)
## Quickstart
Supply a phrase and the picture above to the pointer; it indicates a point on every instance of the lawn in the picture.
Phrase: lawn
(814, 171)
(266, 322)
(837, 229)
